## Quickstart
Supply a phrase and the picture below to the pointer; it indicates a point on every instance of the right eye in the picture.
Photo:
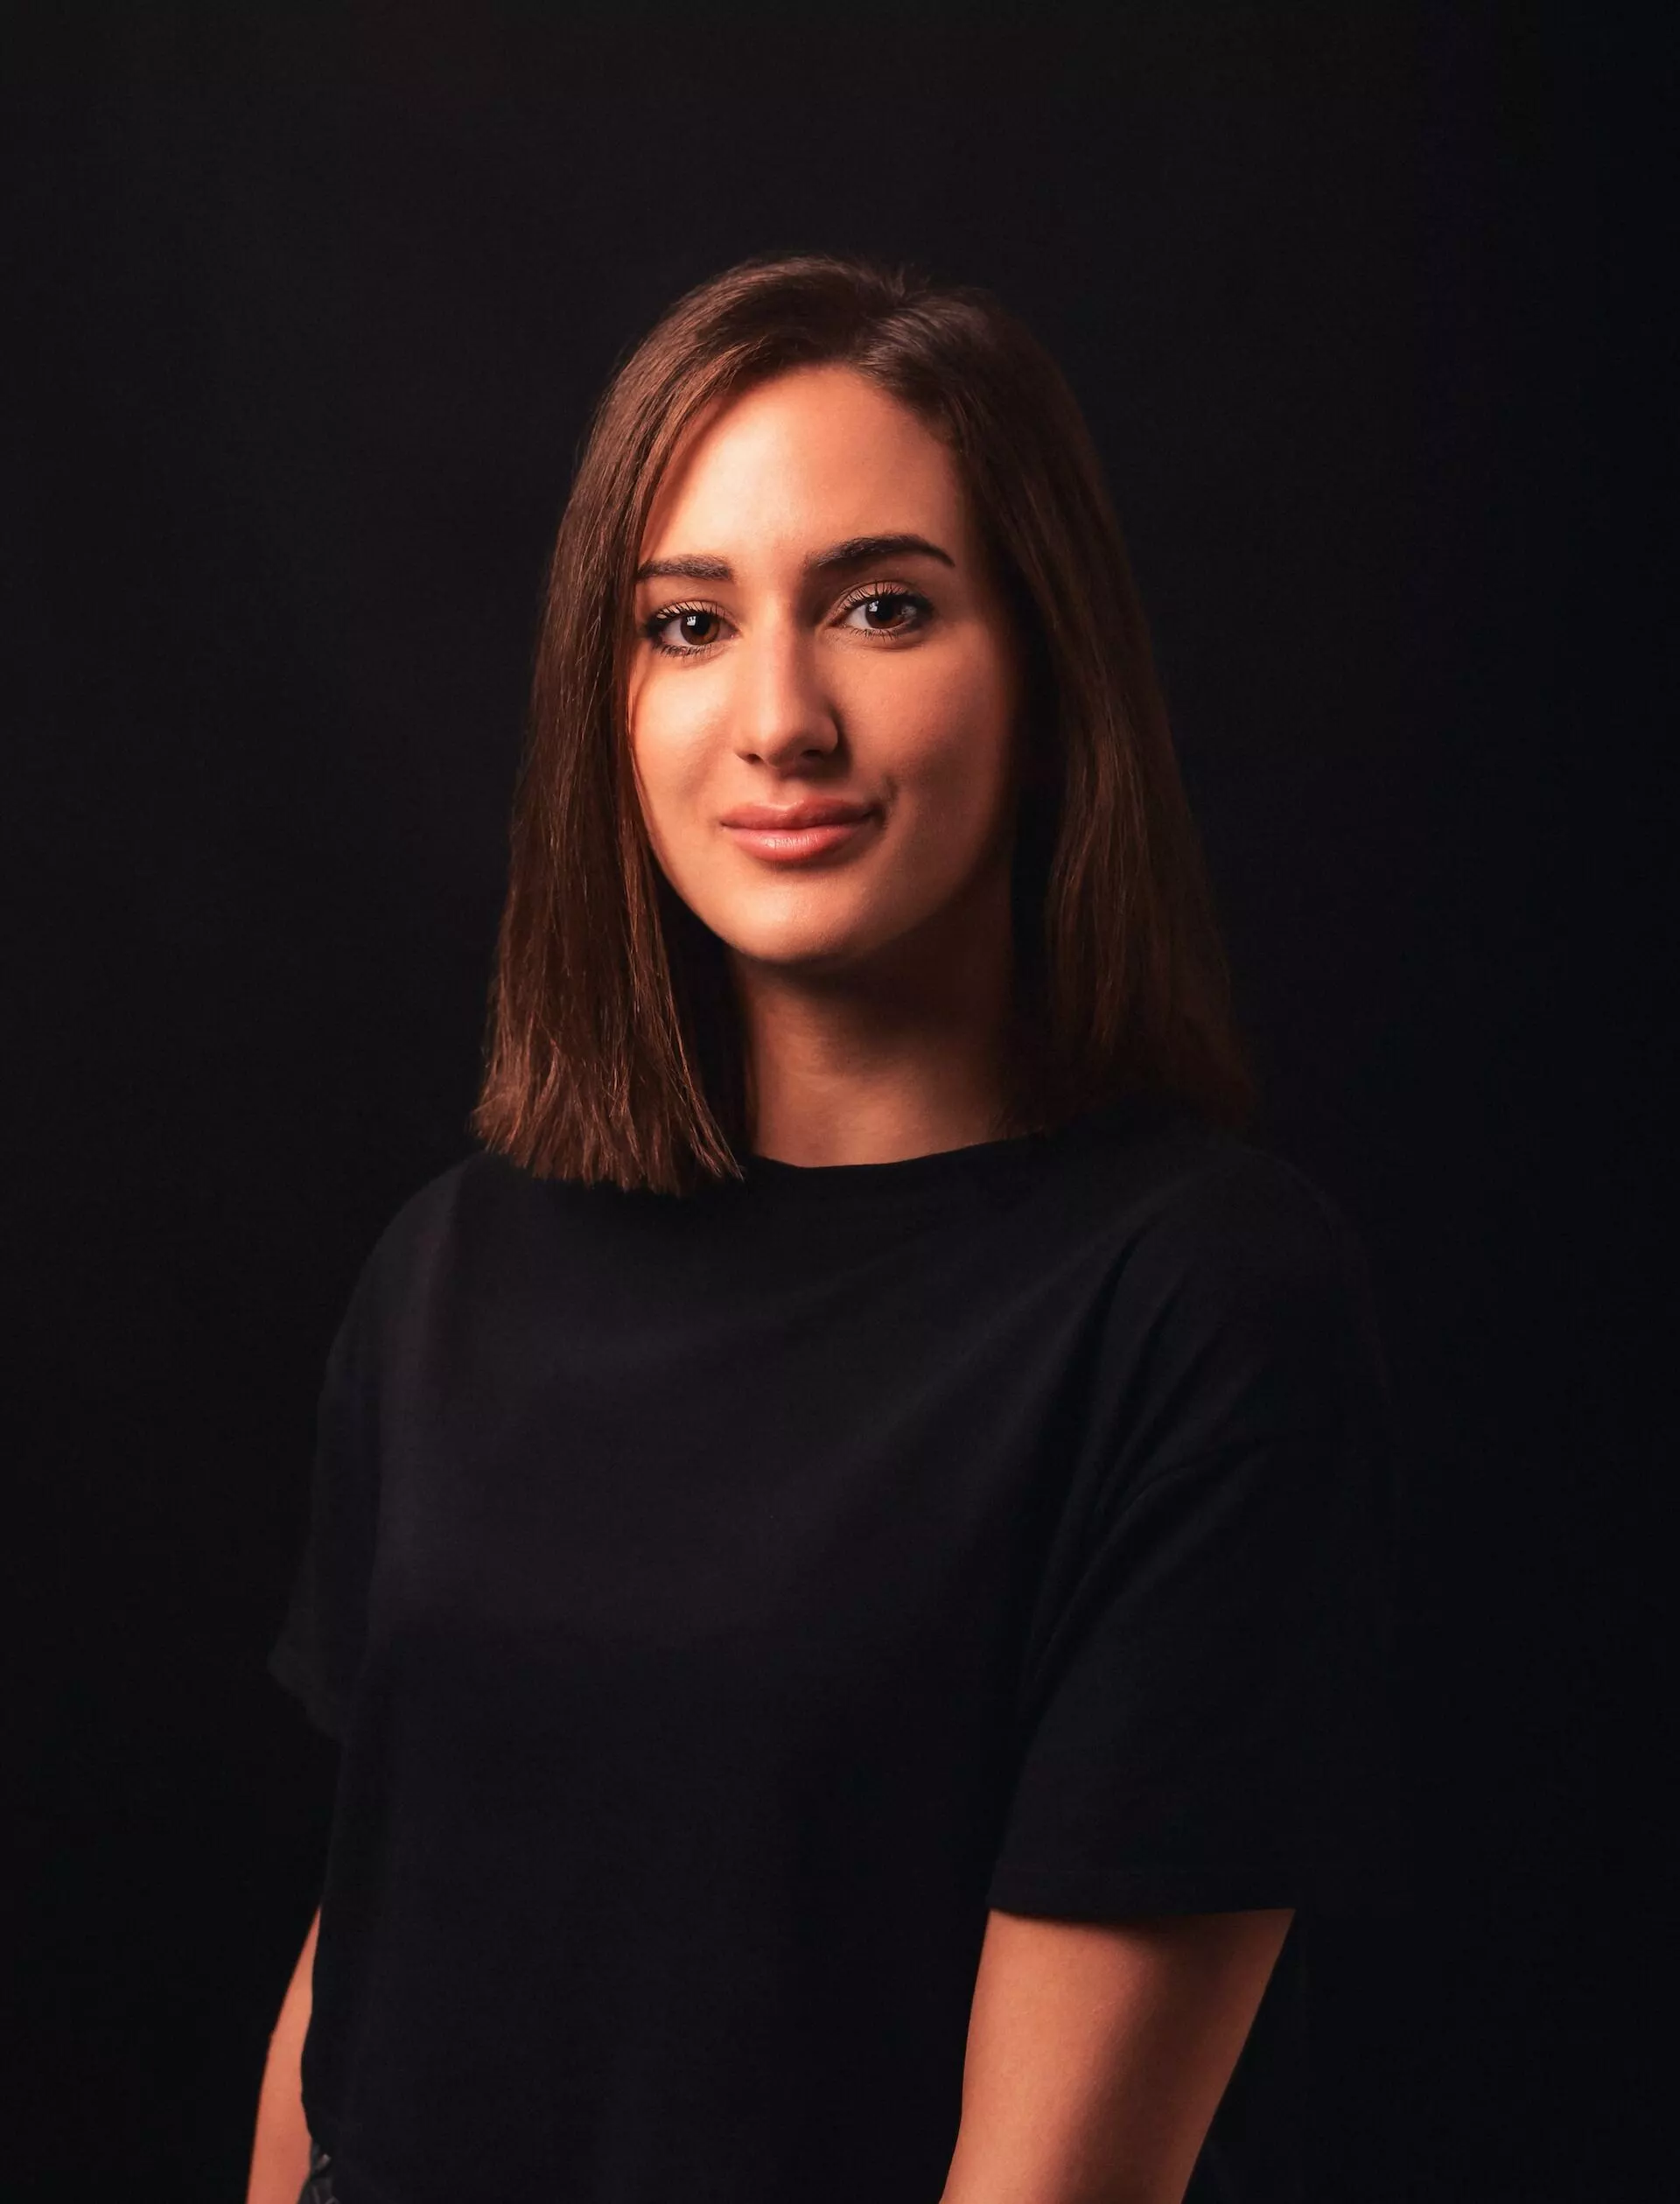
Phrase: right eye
(695, 626)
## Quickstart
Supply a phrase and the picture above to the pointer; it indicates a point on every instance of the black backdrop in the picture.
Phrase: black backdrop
(312, 303)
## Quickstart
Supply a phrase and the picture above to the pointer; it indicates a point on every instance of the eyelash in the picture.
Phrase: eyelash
(884, 592)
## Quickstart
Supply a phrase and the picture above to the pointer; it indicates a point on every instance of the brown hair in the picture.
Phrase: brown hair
(613, 1049)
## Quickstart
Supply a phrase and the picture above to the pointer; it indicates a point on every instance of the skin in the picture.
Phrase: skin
(875, 985)
(875, 988)
(1098, 2051)
(280, 2146)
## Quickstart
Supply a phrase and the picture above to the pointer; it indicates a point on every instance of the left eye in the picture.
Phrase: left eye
(888, 611)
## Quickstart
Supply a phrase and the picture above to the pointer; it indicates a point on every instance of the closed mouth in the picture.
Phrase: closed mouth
(763, 818)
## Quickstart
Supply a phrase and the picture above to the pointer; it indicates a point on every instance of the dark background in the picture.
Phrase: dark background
(310, 305)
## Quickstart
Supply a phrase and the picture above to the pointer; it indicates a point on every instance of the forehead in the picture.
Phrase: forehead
(810, 457)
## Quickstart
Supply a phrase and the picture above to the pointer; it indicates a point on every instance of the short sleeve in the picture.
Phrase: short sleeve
(1205, 1718)
(319, 1651)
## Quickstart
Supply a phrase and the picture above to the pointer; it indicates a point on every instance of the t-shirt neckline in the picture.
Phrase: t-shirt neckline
(940, 1171)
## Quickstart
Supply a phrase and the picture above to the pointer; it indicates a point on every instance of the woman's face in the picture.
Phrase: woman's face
(819, 635)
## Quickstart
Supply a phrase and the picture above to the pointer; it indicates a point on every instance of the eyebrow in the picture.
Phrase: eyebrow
(857, 550)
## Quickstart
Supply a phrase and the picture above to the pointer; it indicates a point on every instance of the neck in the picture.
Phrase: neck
(904, 1053)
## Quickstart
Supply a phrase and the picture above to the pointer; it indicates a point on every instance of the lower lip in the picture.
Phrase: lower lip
(792, 845)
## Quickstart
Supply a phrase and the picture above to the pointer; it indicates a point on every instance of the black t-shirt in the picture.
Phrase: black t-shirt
(723, 1599)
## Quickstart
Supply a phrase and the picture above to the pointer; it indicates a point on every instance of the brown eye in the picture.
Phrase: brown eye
(889, 611)
(885, 612)
(693, 627)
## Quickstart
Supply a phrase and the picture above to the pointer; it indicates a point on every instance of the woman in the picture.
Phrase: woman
(849, 1543)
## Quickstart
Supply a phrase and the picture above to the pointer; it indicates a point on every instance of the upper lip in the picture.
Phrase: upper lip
(828, 811)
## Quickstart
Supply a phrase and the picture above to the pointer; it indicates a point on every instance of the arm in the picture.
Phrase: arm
(1097, 2054)
(280, 2155)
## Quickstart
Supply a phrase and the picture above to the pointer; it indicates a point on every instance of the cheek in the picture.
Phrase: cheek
(671, 735)
(950, 738)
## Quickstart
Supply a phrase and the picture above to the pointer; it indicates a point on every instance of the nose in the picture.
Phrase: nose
(782, 713)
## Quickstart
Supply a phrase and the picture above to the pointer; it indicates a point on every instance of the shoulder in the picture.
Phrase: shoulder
(1236, 1278)
(470, 1214)
(1253, 1214)
(1180, 1196)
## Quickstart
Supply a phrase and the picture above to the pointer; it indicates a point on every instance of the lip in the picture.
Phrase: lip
(790, 832)
(818, 811)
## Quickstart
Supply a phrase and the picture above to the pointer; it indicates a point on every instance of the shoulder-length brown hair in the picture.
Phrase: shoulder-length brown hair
(613, 1049)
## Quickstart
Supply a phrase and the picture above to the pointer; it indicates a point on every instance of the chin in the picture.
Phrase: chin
(793, 925)
(795, 952)
(806, 941)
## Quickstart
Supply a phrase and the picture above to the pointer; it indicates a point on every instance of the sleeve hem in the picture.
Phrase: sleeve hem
(1113, 1893)
(326, 1711)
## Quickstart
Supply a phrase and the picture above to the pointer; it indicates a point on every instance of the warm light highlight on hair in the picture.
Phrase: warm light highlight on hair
(613, 1050)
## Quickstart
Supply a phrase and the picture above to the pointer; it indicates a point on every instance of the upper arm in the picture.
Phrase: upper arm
(1200, 1714)
(1097, 2053)
(318, 1653)
(300, 1990)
